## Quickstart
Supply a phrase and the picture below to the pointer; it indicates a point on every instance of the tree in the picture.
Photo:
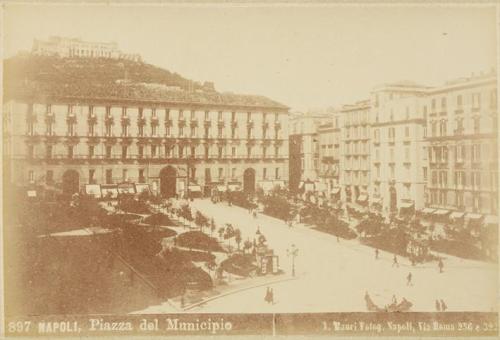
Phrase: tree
(221, 232)
(229, 233)
(200, 220)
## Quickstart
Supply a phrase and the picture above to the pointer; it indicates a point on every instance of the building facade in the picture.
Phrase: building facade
(73, 47)
(304, 151)
(172, 147)
(398, 147)
(329, 156)
(462, 122)
(355, 152)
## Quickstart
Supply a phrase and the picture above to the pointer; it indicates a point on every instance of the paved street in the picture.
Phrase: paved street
(334, 276)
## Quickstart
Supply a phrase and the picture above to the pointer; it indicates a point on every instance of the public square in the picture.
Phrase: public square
(334, 275)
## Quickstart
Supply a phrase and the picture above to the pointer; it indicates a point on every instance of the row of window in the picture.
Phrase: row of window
(459, 99)
(462, 178)
(440, 197)
(182, 151)
(180, 116)
(462, 153)
(154, 131)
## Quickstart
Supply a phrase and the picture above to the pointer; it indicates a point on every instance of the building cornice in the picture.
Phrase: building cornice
(144, 102)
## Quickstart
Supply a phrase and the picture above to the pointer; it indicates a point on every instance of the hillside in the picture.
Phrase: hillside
(99, 78)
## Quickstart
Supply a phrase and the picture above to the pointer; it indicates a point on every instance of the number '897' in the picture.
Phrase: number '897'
(18, 326)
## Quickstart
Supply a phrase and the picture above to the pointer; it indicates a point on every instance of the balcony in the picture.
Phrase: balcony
(181, 122)
(220, 124)
(459, 110)
(154, 121)
(250, 124)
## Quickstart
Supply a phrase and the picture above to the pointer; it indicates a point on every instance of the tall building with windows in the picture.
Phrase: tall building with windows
(355, 152)
(462, 161)
(65, 143)
(398, 147)
(304, 151)
(329, 157)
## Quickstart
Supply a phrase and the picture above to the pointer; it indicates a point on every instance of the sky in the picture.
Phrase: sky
(306, 57)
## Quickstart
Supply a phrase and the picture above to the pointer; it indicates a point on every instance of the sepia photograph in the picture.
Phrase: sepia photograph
(246, 168)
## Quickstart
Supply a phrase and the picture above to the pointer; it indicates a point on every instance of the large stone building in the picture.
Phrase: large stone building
(355, 152)
(74, 47)
(71, 143)
(398, 147)
(329, 157)
(462, 127)
(304, 151)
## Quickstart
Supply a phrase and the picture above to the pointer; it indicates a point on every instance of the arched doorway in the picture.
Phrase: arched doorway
(393, 199)
(70, 182)
(168, 181)
(249, 181)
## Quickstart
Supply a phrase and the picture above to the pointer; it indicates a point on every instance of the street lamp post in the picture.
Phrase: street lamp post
(293, 251)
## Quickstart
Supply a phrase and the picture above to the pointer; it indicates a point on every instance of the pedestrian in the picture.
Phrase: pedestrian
(438, 306)
(271, 297)
(376, 253)
(395, 261)
(255, 213)
(394, 300)
(413, 261)
(444, 307)
(408, 280)
(267, 297)
(338, 239)
(440, 265)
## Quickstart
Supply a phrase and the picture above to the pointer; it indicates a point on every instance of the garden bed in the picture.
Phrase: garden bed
(198, 240)
(240, 264)
(159, 219)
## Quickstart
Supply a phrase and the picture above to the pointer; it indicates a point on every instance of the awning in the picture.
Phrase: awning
(126, 188)
(362, 198)
(441, 212)
(491, 219)
(457, 214)
(221, 188)
(406, 205)
(320, 186)
(234, 187)
(471, 216)
(109, 191)
(428, 210)
(195, 188)
(142, 187)
(335, 190)
(309, 186)
(266, 185)
(279, 183)
(93, 190)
